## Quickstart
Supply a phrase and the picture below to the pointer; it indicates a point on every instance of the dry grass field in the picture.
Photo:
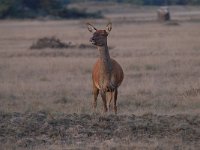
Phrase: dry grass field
(46, 94)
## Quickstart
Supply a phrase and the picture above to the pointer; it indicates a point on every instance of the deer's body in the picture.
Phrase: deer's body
(107, 74)
(107, 81)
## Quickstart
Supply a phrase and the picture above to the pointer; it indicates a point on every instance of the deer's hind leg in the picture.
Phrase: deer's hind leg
(109, 99)
(115, 100)
(95, 93)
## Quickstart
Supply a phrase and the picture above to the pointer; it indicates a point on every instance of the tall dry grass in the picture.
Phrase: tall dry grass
(160, 62)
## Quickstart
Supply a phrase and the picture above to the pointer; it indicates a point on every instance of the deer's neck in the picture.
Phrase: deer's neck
(105, 62)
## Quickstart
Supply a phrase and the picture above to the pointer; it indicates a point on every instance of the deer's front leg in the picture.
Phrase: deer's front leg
(95, 93)
(103, 96)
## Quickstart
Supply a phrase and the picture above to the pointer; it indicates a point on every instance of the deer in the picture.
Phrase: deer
(107, 74)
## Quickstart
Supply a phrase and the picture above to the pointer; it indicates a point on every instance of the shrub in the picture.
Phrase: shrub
(41, 8)
(75, 13)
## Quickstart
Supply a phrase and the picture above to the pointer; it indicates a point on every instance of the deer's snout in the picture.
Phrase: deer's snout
(92, 39)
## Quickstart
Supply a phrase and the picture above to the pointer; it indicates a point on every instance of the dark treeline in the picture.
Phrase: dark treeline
(172, 2)
(150, 2)
(41, 8)
(166, 2)
(58, 9)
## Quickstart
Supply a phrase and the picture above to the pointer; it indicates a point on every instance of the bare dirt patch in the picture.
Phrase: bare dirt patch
(92, 131)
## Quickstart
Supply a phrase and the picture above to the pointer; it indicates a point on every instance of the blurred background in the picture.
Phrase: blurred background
(74, 8)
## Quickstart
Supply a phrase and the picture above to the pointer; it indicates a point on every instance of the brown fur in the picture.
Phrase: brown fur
(107, 74)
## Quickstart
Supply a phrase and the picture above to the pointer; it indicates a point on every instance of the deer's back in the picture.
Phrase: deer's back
(117, 74)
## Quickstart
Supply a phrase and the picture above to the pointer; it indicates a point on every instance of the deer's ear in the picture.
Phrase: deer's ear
(91, 28)
(109, 27)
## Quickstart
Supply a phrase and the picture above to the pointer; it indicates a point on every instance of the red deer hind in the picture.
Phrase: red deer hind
(107, 74)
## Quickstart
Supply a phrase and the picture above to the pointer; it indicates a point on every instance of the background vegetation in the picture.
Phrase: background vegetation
(150, 2)
(41, 8)
(58, 8)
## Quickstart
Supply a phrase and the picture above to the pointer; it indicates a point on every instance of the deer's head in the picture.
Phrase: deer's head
(99, 37)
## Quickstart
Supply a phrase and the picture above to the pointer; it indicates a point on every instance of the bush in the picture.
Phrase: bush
(75, 13)
(55, 43)
(41, 8)
(49, 42)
